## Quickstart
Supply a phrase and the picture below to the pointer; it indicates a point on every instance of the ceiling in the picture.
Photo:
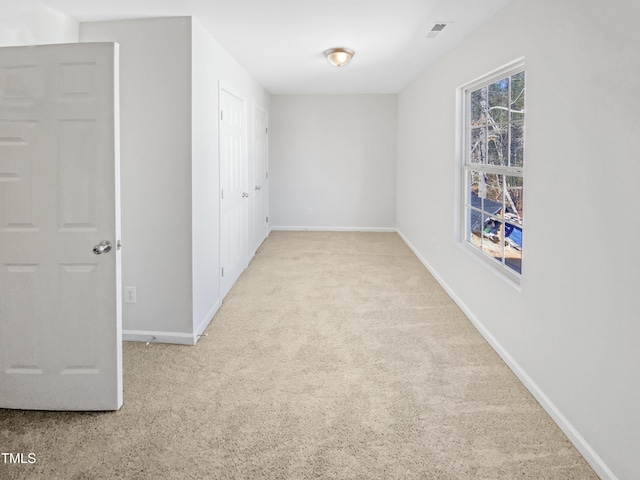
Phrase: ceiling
(280, 42)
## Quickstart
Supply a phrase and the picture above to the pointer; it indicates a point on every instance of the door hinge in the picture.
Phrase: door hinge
(267, 219)
(266, 130)
(221, 115)
(267, 174)
(222, 194)
(223, 271)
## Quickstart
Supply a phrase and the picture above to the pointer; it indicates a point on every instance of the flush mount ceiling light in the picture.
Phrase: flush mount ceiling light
(339, 57)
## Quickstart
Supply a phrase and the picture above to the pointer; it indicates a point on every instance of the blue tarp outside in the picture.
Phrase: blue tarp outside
(514, 233)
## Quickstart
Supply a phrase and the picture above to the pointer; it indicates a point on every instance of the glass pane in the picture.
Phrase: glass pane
(498, 143)
(517, 145)
(513, 247)
(517, 96)
(478, 147)
(499, 101)
(513, 200)
(473, 181)
(490, 189)
(479, 107)
(474, 219)
(491, 235)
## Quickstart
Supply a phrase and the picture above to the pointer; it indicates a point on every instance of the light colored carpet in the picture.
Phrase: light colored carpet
(335, 356)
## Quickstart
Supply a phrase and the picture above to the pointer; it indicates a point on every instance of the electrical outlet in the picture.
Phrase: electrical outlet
(130, 295)
(309, 211)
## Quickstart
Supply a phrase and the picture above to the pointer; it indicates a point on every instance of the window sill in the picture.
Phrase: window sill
(512, 279)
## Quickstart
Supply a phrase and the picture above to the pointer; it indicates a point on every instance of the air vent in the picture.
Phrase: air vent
(435, 30)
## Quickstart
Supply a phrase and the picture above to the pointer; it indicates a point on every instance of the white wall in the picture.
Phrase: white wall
(205, 179)
(34, 25)
(212, 65)
(335, 155)
(155, 123)
(572, 332)
(170, 72)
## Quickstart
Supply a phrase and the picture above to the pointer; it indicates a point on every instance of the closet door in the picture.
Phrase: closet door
(234, 194)
(260, 202)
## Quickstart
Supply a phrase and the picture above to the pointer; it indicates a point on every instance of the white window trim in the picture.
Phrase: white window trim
(460, 217)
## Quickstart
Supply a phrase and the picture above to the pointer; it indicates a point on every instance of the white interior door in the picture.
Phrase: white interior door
(260, 178)
(233, 190)
(60, 304)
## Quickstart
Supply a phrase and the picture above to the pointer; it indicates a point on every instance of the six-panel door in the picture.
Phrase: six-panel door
(60, 305)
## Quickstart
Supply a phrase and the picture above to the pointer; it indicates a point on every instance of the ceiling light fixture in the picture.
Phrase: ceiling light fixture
(339, 57)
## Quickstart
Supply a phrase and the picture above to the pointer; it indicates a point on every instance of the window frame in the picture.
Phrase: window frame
(465, 167)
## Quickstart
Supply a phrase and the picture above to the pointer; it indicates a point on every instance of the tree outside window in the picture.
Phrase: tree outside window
(493, 168)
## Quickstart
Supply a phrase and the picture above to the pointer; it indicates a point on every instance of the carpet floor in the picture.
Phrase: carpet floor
(335, 356)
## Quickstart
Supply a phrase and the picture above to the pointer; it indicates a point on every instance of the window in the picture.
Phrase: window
(493, 162)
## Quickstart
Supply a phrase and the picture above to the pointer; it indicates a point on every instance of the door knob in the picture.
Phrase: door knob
(103, 247)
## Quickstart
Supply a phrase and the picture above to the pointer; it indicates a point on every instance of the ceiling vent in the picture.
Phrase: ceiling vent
(436, 29)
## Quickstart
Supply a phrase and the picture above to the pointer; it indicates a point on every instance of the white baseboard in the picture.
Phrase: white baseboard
(333, 229)
(158, 337)
(206, 321)
(589, 454)
(177, 338)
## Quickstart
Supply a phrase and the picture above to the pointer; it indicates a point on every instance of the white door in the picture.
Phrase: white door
(260, 178)
(60, 304)
(233, 191)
